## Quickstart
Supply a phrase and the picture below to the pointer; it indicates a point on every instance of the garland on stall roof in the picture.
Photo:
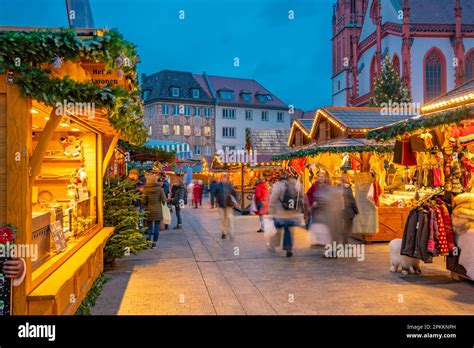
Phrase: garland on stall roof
(342, 149)
(27, 55)
(413, 126)
(167, 157)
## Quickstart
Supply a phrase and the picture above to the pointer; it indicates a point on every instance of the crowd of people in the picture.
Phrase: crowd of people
(327, 208)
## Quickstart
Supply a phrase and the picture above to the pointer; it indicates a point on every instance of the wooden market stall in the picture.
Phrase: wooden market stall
(61, 115)
(440, 143)
(335, 143)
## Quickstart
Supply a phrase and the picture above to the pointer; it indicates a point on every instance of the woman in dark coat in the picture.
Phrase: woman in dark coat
(153, 198)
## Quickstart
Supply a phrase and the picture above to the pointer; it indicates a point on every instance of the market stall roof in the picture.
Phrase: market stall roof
(341, 145)
(182, 150)
(268, 142)
(453, 107)
(145, 153)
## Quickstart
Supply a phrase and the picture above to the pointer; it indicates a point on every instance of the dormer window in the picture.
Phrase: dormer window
(146, 94)
(269, 97)
(226, 94)
(246, 97)
(195, 92)
(174, 91)
(262, 98)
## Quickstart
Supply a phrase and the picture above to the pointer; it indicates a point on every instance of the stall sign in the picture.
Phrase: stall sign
(101, 77)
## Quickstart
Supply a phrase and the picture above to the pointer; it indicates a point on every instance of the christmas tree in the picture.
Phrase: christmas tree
(120, 212)
(388, 87)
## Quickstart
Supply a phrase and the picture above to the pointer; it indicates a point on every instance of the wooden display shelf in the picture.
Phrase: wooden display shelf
(53, 180)
(51, 159)
(391, 225)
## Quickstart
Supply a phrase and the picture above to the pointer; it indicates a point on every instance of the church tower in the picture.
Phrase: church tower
(348, 16)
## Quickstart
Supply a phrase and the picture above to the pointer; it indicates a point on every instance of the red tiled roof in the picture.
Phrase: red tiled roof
(238, 84)
(202, 81)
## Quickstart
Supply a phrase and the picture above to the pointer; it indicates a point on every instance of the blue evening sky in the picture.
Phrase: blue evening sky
(291, 58)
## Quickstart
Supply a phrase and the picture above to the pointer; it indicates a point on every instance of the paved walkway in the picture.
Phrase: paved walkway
(194, 271)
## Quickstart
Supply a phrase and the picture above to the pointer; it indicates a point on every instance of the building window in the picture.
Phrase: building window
(435, 74)
(228, 113)
(248, 115)
(187, 130)
(280, 116)
(166, 129)
(165, 109)
(207, 112)
(226, 95)
(469, 66)
(207, 131)
(207, 150)
(175, 91)
(264, 115)
(175, 109)
(197, 150)
(197, 131)
(146, 94)
(228, 147)
(246, 97)
(197, 111)
(373, 73)
(187, 111)
(396, 64)
(195, 93)
(176, 129)
(269, 97)
(150, 130)
(262, 98)
(228, 132)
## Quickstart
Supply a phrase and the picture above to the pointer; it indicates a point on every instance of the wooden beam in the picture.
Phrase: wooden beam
(109, 153)
(45, 138)
(19, 140)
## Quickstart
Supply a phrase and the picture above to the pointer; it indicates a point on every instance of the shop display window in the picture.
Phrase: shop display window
(64, 193)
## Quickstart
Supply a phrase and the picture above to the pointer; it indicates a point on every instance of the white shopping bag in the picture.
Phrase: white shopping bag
(319, 234)
(269, 231)
(166, 214)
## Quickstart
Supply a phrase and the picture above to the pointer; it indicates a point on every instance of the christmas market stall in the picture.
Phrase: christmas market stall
(245, 167)
(439, 146)
(66, 97)
(337, 145)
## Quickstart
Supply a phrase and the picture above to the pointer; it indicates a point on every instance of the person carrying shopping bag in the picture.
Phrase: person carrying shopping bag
(284, 204)
(179, 198)
(153, 198)
(261, 197)
(226, 201)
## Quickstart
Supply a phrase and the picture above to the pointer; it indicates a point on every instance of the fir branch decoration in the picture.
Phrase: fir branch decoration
(159, 154)
(27, 55)
(332, 150)
(414, 125)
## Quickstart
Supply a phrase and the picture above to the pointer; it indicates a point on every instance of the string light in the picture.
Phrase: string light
(447, 103)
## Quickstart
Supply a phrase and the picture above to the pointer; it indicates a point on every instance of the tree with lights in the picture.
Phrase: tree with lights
(388, 87)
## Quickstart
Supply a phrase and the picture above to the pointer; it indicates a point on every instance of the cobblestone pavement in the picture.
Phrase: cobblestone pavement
(194, 271)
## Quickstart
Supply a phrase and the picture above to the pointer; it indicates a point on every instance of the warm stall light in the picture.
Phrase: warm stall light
(33, 111)
(46, 118)
(75, 130)
(64, 125)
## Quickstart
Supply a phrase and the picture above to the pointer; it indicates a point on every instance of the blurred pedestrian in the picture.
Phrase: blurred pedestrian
(262, 196)
(201, 191)
(191, 191)
(197, 192)
(349, 206)
(212, 189)
(179, 198)
(284, 203)
(226, 197)
(153, 198)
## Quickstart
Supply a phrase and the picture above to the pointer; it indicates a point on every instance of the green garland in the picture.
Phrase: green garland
(166, 156)
(318, 150)
(23, 53)
(412, 126)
